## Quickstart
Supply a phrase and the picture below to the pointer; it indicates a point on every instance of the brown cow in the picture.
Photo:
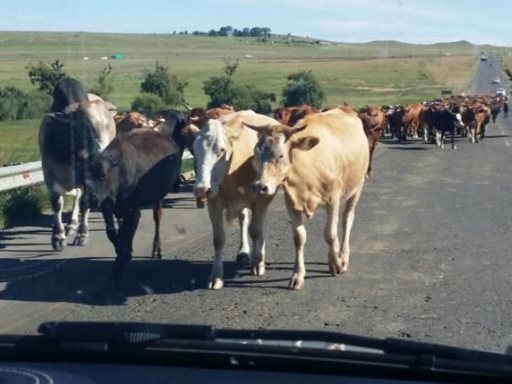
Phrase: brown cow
(134, 120)
(319, 162)
(290, 115)
(411, 118)
(374, 122)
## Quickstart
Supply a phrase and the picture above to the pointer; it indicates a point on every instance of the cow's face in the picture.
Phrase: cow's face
(212, 151)
(272, 155)
(103, 178)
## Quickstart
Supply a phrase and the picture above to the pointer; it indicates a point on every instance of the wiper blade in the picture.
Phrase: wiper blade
(134, 332)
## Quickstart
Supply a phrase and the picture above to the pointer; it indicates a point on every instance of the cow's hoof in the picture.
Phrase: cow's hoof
(258, 269)
(81, 240)
(216, 283)
(71, 230)
(335, 268)
(156, 255)
(58, 244)
(243, 258)
(296, 282)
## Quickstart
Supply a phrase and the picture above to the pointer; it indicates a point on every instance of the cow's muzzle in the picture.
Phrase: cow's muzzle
(261, 188)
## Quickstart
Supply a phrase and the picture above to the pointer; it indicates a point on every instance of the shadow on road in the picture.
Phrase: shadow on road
(88, 280)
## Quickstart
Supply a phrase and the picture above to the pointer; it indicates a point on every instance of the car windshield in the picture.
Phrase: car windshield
(329, 165)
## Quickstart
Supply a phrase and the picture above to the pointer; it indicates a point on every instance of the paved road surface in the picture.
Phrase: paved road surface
(430, 258)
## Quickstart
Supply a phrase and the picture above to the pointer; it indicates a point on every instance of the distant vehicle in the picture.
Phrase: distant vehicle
(483, 58)
(501, 91)
(496, 80)
(446, 92)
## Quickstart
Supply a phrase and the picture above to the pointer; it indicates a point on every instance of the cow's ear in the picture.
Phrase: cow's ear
(305, 143)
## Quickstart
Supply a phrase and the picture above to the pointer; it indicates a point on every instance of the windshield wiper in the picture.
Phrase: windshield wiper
(152, 343)
(138, 332)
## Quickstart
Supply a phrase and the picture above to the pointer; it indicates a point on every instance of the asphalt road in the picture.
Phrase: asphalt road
(430, 258)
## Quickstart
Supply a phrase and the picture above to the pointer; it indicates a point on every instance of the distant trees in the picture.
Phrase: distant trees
(303, 88)
(170, 88)
(224, 90)
(261, 32)
(104, 85)
(45, 76)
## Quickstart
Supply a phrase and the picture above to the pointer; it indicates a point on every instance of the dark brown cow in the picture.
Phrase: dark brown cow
(374, 121)
(135, 170)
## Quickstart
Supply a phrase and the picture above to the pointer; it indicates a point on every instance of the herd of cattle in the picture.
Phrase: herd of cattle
(120, 163)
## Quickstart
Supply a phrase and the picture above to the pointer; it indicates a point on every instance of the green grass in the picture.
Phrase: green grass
(18, 141)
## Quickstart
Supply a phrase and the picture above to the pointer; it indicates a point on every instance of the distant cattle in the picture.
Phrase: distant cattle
(224, 151)
(75, 131)
(476, 117)
(320, 162)
(137, 169)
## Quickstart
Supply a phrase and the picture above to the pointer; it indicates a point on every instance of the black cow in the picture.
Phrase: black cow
(443, 120)
(137, 169)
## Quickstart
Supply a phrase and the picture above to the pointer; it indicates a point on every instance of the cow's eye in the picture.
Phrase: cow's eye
(221, 151)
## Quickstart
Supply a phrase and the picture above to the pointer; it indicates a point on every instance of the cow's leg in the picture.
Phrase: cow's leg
(110, 226)
(256, 231)
(299, 237)
(156, 253)
(72, 227)
(125, 241)
(453, 139)
(439, 138)
(477, 133)
(244, 218)
(369, 171)
(58, 233)
(215, 211)
(82, 235)
(331, 235)
(414, 128)
(348, 220)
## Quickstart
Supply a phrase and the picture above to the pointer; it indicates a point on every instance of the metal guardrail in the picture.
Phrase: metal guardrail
(21, 175)
(24, 175)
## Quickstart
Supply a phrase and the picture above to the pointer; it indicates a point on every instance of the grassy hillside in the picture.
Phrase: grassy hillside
(396, 71)
(378, 72)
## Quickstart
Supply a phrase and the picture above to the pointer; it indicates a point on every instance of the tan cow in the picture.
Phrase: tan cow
(223, 151)
(319, 162)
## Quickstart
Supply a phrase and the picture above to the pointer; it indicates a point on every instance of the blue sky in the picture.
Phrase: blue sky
(416, 21)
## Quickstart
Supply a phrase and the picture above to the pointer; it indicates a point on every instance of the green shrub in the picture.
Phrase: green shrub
(21, 205)
(303, 88)
(147, 103)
